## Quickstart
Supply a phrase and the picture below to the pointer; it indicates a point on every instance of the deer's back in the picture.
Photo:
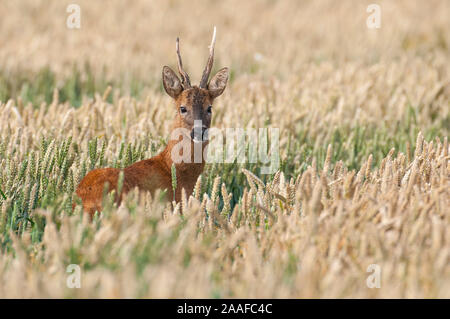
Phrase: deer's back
(147, 175)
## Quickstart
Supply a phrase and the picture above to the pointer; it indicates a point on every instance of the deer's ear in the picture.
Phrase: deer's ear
(218, 83)
(171, 82)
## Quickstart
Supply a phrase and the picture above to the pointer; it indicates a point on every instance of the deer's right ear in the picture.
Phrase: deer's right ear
(171, 82)
(218, 83)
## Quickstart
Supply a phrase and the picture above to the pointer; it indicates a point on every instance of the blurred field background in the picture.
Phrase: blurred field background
(364, 176)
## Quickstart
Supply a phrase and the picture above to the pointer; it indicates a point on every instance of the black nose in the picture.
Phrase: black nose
(199, 133)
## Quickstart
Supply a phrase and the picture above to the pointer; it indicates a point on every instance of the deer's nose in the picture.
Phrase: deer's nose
(199, 133)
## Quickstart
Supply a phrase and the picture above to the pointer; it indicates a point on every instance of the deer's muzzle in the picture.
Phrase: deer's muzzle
(199, 133)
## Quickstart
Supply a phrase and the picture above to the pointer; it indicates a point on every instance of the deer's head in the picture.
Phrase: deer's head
(194, 103)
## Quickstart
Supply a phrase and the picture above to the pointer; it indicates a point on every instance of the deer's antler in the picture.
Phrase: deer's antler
(184, 76)
(209, 64)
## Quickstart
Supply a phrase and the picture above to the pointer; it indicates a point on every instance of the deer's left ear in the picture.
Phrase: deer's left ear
(218, 83)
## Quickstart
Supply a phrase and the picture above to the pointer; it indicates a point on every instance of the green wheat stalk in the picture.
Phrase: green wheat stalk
(174, 179)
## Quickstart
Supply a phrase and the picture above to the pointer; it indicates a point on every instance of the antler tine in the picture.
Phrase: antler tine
(209, 64)
(185, 77)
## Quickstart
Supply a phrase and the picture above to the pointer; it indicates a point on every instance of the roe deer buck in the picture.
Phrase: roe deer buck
(193, 104)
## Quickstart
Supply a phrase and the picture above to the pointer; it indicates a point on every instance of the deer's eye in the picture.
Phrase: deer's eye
(209, 110)
(183, 110)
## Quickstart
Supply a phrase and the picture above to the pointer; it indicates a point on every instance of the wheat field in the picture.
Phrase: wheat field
(364, 176)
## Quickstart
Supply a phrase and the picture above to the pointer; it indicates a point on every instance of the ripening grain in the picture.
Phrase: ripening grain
(365, 160)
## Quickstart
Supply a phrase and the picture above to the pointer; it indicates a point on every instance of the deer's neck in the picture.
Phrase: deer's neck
(188, 157)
